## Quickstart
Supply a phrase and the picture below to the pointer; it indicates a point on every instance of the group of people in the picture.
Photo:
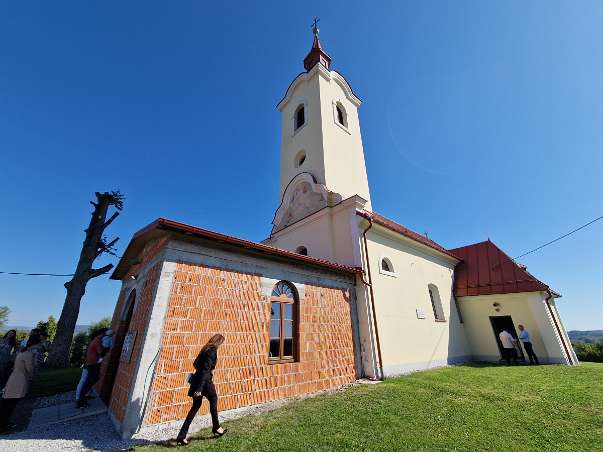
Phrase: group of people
(510, 345)
(19, 364)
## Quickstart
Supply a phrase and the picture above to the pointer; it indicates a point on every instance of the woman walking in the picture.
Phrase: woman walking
(202, 385)
(18, 382)
(8, 348)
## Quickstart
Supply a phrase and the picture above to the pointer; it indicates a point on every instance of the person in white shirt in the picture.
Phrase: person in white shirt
(524, 337)
(508, 343)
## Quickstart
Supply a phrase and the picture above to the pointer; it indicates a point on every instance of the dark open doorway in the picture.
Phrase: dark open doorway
(118, 342)
(502, 322)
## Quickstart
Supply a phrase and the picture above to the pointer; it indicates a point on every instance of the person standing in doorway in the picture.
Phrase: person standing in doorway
(202, 385)
(508, 343)
(18, 383)
(92, 366)
(524, 337)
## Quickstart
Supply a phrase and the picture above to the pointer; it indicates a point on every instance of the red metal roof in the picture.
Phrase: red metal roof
(163, 224)
(316, 55)
(393, 226)
(486, 270)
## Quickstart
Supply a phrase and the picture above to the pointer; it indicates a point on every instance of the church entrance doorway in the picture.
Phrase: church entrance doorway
(500, 323)
(118, 343)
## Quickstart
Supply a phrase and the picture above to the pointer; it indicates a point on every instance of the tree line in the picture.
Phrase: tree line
(79, 342)
(592, 352)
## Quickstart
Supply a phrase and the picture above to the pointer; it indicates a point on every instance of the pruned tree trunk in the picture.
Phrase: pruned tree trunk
(94, 245)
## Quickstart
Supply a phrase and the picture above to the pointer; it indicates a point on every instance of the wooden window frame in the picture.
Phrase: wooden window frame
(285, 359)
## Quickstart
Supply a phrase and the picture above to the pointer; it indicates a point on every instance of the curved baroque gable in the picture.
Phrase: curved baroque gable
(303, 196)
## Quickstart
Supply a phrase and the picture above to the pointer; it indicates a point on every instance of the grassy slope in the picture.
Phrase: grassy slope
(55, 381)
(463, 407)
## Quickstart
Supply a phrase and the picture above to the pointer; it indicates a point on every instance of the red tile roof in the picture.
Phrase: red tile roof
(486, 270)
(395, 227)
(151, 231)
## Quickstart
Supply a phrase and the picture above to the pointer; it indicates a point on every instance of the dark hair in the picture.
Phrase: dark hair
(33, 340)
(98, 332)
(12, 340)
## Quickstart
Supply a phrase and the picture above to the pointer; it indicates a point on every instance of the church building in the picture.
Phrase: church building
(336, 292)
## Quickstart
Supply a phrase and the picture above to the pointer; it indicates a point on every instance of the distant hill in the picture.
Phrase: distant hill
(587, 337)
(78, 328)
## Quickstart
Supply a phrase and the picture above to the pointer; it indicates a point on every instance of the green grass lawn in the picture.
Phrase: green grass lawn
(54, 381)
(463, 407)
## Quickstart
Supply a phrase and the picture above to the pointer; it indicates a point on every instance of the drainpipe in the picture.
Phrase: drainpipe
(561, 336)
(370, 286)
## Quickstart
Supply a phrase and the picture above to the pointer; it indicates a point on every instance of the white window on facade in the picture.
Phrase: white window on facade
(300, 158)
(386, 267)
(299, 118)
(436, 303)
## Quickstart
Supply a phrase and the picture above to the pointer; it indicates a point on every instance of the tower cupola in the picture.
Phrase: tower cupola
(316, 54)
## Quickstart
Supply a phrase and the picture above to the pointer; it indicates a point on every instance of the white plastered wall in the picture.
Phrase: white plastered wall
(528, 309)
(409, 343)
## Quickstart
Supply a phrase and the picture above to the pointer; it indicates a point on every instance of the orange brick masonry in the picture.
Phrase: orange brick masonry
(204, 301)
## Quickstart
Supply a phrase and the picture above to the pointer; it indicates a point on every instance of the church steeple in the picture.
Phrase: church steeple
(316, 54)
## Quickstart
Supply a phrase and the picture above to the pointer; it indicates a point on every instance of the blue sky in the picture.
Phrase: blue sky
(480, 120)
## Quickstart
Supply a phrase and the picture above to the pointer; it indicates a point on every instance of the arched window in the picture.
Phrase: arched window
(300, 116)
(302, 250)
(283, 319)
(386, 267)
(341, 115)
(436, 303)
(128, 309)
(300, 158)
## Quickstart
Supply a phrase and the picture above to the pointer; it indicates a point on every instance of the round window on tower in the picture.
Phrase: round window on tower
(302, 250)
(300, 158)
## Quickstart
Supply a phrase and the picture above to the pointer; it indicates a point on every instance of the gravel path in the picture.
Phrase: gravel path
(96, 432)
(92, 432)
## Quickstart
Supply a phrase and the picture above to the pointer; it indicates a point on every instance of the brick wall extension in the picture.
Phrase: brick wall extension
(205, 301)
(140, 318)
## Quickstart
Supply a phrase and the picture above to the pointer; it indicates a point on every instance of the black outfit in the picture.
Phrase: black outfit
(510, 354)
(91, 379)
(202, 385)
(7, 406)
(530, 352)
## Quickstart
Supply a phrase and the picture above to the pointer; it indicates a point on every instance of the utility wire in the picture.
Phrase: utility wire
(42, 274)
(561, 237)
(33, 274)
(522, 255)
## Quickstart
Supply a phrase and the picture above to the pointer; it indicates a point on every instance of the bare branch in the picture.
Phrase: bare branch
(93, 273)
(110, 220)
(104, 247)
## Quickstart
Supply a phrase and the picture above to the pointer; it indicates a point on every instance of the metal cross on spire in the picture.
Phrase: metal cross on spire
(315, 29)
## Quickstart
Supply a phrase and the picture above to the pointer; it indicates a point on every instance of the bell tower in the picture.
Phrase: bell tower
(321, 142)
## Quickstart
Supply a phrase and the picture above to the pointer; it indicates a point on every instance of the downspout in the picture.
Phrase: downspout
(370, 286)
(561, 336)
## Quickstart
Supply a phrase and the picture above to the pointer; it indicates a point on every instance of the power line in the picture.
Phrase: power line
(561, 237)
(44, 274)
(33, 274)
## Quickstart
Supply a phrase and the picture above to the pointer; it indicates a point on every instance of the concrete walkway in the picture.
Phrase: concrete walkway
(62, 412)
